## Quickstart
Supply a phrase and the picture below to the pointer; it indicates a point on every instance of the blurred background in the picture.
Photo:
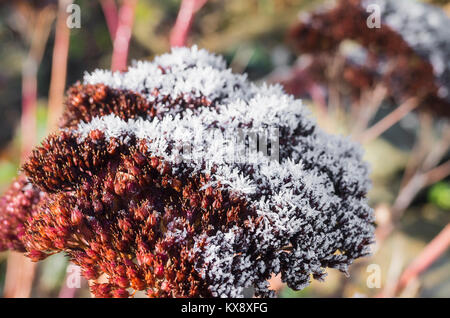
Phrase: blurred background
(385, 91)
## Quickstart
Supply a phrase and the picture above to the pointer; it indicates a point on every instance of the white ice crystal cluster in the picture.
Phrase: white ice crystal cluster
(182, 72)
(311, 203)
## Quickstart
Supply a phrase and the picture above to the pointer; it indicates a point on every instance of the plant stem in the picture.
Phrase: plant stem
(20, 270)
(123, 35)
(110, 11)
(29, 101)
(185, 17)
(426, 258)
(421, 148)
(415, 184)
(39, 38)
(19, 276)
(66, 291)
(390, 120)
(371, 101)
(59, 66)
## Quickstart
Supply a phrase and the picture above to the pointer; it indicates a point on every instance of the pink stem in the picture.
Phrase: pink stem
(20, 270)
(66, 291)
(59, 66)
(426, 258)
(438, 173)
(123, 35)
(19, 276)
(29, 100)
(318, 96)
(391, 119)
(184, 21)
(109, 8)
(39, 37)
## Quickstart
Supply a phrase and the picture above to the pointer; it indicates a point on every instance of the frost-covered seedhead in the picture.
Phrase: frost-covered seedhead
(126, 200)
(17, 204)
(409, 53)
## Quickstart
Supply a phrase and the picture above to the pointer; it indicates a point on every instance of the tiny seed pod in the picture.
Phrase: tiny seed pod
(154, 162)
(100, 93)
(159, 271)
(96, 134)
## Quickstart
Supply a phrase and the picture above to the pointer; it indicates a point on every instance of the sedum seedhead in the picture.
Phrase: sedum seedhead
(409, 53)
(140, 186)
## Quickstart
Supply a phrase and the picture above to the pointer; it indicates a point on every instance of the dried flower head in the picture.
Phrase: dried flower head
(409, 53)
(124, 199)
(17, 204)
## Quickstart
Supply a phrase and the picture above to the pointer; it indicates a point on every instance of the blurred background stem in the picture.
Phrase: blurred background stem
(387, 122)
(180, 31)
(123, 35)
(59, 66)
(428, 256)
(424, 260)
(109, 8)
(30, 68)
(20, 270)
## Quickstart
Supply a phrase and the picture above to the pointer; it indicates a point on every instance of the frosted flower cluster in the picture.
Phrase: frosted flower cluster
(408, 53)
(426, 28)
(123, 199)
